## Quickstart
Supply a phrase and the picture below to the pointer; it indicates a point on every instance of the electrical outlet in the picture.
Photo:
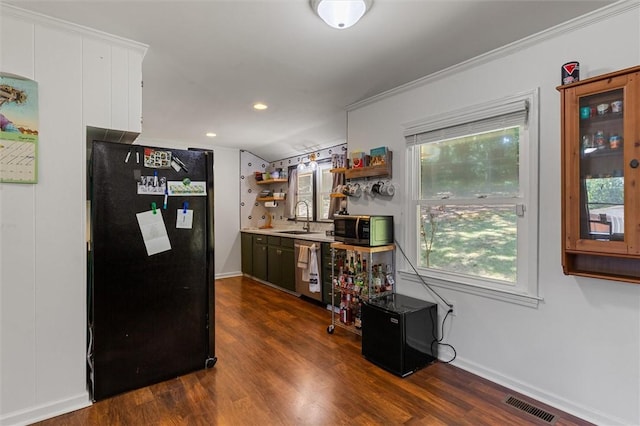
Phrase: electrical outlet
(452, 308)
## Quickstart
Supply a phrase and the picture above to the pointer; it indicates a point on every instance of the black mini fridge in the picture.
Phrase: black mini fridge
(399, 333)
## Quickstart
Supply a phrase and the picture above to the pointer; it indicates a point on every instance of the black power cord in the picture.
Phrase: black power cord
(427, 286)
(439, 341)
(434, 330)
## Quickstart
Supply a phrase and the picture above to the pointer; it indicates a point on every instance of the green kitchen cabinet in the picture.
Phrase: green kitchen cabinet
(259, 257)
(281, 266)
(288, 264)
(246, 244)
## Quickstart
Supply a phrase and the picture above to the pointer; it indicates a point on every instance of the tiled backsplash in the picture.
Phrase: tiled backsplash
(253, 214)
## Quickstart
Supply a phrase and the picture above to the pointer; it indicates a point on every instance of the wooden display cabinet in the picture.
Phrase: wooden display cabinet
(601, 176)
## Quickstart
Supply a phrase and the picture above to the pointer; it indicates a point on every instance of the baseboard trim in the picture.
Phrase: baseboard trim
(46, 411)
(578, 410)
(228, 275)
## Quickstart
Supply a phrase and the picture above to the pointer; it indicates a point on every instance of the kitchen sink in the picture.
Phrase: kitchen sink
(295, 232)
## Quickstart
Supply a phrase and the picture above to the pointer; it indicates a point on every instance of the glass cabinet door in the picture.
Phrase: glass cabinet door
(602, 164)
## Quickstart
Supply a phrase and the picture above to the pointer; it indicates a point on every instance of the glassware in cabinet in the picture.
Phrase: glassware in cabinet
(358, 274)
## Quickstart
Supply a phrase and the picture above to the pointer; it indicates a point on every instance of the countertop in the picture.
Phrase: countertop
(320, 236)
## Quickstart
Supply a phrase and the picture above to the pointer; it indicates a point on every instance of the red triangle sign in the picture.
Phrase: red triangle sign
(569, 68)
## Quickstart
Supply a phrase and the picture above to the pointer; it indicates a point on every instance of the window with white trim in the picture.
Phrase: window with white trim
(325, 186)
(304, 196)
(473, 177)
(314, 186)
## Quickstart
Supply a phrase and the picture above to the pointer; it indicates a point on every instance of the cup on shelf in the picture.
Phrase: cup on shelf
(388, 190)
(355, 190)
(602, 109)
(585, 112)
(616, 107)
(615, 141)
(382, 189)
(599, 140)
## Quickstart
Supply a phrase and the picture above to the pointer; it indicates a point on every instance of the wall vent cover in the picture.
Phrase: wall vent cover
(530, 409)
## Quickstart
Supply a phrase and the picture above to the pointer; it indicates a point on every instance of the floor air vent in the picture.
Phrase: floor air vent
(530, 409)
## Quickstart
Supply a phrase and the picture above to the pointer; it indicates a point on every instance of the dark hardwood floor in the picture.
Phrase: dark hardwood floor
(277, 365)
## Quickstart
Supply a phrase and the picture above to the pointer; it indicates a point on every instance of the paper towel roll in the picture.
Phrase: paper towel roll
(270, 204)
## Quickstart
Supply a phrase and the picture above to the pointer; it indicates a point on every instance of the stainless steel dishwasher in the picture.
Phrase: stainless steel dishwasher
(302, 286)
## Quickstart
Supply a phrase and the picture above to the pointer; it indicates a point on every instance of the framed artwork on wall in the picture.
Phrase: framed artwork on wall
(18, 129)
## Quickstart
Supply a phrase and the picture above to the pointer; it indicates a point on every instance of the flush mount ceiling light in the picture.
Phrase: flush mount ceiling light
(211, 135)
(260, 106)
(341, 14)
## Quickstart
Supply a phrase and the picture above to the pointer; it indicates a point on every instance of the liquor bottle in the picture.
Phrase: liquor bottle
(358, 317)
(377, 278)
(346, 315)
(389, 280)
(343, 315)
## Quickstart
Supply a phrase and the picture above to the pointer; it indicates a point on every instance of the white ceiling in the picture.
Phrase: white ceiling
(209, 61)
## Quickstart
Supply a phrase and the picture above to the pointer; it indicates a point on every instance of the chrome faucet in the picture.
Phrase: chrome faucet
(295, 220)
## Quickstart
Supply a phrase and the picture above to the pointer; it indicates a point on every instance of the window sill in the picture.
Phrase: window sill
(491, 293)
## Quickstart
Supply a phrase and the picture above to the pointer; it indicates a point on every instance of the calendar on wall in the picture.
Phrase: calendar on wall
(18, 129)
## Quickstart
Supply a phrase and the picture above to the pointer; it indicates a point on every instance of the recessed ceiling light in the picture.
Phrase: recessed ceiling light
(260, 106)
(211, 135)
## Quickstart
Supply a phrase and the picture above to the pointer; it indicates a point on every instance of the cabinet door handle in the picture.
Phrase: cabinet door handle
(634, 163)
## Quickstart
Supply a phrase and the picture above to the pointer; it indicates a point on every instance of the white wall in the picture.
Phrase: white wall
(227, 212)
(42, 247)
(580, 349)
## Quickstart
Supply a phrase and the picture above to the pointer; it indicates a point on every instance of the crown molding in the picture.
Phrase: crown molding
(563, 28)
(16, 12)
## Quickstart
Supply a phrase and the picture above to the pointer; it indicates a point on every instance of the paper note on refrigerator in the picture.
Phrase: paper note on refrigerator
(187, 187)
(184, 219)
(154, 233)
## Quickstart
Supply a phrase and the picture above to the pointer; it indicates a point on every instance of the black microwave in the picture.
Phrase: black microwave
(369, 231)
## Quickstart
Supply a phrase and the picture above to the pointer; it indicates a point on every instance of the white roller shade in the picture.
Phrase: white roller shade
(477, 119)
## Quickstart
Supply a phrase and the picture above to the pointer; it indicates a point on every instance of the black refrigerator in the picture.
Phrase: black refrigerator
(150, 305)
